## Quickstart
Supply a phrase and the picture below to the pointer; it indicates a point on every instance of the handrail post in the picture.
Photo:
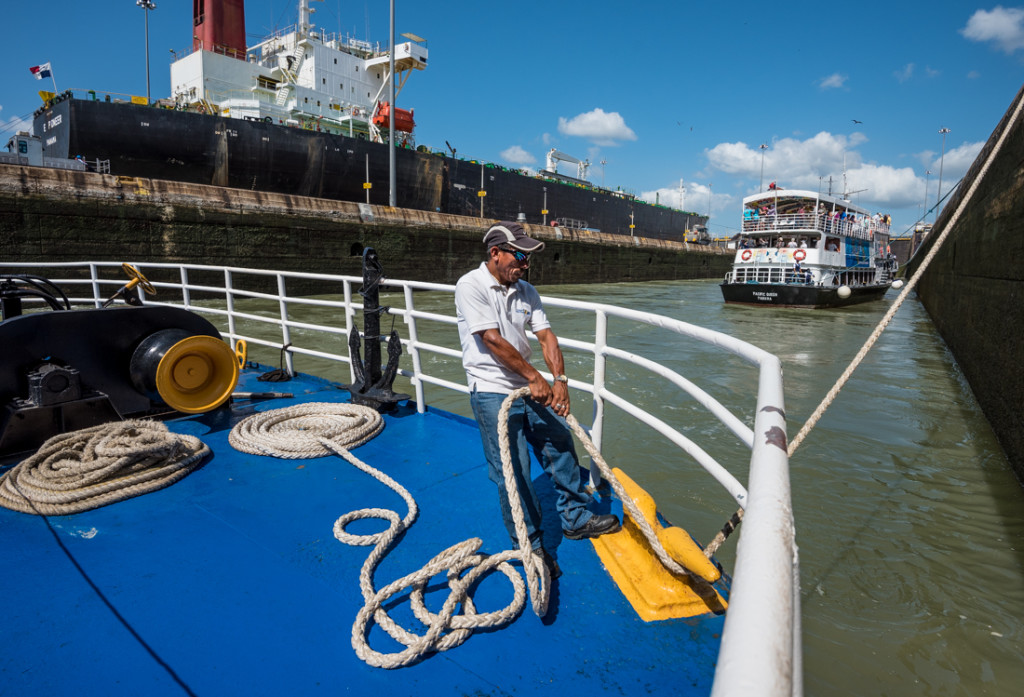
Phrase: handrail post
(414, 351)
(186, 298)
(230, 302)
(600, 362)
(350, 318)
(286, 335)
(96, 300)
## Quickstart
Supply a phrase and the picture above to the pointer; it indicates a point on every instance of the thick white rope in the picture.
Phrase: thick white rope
(606, 473)
(950, 225)
(320, 429)
(93, 467)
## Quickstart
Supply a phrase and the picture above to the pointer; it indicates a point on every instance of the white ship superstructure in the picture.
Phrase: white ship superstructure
(301, 77)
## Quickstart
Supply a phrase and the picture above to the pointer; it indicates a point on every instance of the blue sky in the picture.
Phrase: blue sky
(658, 91)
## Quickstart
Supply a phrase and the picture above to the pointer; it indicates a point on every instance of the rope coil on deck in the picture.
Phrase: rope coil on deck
(299, 432)
(318, 429)
(93, 467)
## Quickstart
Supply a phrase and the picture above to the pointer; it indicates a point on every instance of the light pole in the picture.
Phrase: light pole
(760, 187)
(927, 173)
(938, 197)
(146, 6)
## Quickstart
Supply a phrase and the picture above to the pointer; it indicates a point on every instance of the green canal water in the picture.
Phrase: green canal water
(909, 519)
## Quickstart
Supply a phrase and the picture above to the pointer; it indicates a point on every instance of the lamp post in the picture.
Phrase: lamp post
(760, 187)
(938, 197)
(146, 6)
(927, 173)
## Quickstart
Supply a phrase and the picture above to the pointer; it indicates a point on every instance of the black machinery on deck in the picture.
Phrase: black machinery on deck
(67, 369)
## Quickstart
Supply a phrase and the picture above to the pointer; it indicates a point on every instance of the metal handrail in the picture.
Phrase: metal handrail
(760, 646)
(797, 223)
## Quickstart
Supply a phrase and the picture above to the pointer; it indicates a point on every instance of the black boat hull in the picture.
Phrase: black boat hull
(785, 295)
(144, 141)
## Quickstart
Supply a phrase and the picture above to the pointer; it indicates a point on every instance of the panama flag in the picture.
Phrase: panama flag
(41, 71)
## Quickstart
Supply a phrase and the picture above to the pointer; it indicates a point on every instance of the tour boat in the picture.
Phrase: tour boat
(805, 249)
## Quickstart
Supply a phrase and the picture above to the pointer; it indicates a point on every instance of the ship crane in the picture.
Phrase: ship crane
(581, 165)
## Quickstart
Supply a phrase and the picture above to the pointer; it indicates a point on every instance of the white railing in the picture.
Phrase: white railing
(802, 223)
(760, 651)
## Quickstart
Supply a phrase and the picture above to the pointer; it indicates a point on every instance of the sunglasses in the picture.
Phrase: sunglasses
(521, 257)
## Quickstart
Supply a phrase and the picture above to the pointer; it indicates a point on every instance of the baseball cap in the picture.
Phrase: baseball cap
(513, 235)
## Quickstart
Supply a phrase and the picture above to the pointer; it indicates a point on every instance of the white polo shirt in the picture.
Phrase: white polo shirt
(482, 303)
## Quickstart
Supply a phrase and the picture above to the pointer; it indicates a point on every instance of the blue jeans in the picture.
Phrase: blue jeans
(530, 423)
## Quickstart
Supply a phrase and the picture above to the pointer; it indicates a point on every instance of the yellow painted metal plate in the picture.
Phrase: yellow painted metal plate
(655, 592)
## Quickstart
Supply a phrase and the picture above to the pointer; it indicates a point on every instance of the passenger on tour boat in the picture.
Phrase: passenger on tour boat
(494, 308)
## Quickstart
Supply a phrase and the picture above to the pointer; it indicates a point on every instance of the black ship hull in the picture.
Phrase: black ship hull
(793, 295)
(144, 141)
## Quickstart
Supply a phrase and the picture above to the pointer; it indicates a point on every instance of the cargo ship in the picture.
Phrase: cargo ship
(309, 113)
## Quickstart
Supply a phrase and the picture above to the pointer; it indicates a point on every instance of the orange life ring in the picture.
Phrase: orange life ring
(799, 255)
(746, 255)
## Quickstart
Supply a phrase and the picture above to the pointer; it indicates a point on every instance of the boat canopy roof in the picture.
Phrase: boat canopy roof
(791, 200)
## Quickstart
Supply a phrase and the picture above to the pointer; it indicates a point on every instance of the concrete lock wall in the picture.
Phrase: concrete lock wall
(56, 215)
(974, 287)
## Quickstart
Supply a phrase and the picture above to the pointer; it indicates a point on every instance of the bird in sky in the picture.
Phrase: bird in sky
(856, 121)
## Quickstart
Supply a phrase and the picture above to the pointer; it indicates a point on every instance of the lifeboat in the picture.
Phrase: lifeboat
(403, 117)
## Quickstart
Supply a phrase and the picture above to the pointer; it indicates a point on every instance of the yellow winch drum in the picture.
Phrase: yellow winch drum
(189, 373)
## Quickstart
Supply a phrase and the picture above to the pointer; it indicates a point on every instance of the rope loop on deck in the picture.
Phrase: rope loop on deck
(93, 467)
(298, 432)
(319, 429)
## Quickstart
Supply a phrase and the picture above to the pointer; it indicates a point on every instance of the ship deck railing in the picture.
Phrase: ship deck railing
(810, 223)
(760, 650)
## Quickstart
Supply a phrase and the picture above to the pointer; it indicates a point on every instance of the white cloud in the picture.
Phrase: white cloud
(695, 198)
(517, 156)
(810, 164)
(600, 127)
(834, 80)
(956, 162)
(801, 161)
(905, 73)
(9, 127)
(973, 75)
(1003, 25)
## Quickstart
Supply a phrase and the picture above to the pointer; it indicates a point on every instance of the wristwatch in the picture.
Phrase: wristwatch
(562, 378)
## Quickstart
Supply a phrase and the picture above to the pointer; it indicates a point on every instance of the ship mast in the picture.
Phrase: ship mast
(305, 26)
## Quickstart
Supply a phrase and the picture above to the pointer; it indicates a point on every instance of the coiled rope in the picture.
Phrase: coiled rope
(844, 378)
(316, 429)
(93, 467)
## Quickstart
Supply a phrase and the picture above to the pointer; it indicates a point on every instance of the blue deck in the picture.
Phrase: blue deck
(231, 582)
